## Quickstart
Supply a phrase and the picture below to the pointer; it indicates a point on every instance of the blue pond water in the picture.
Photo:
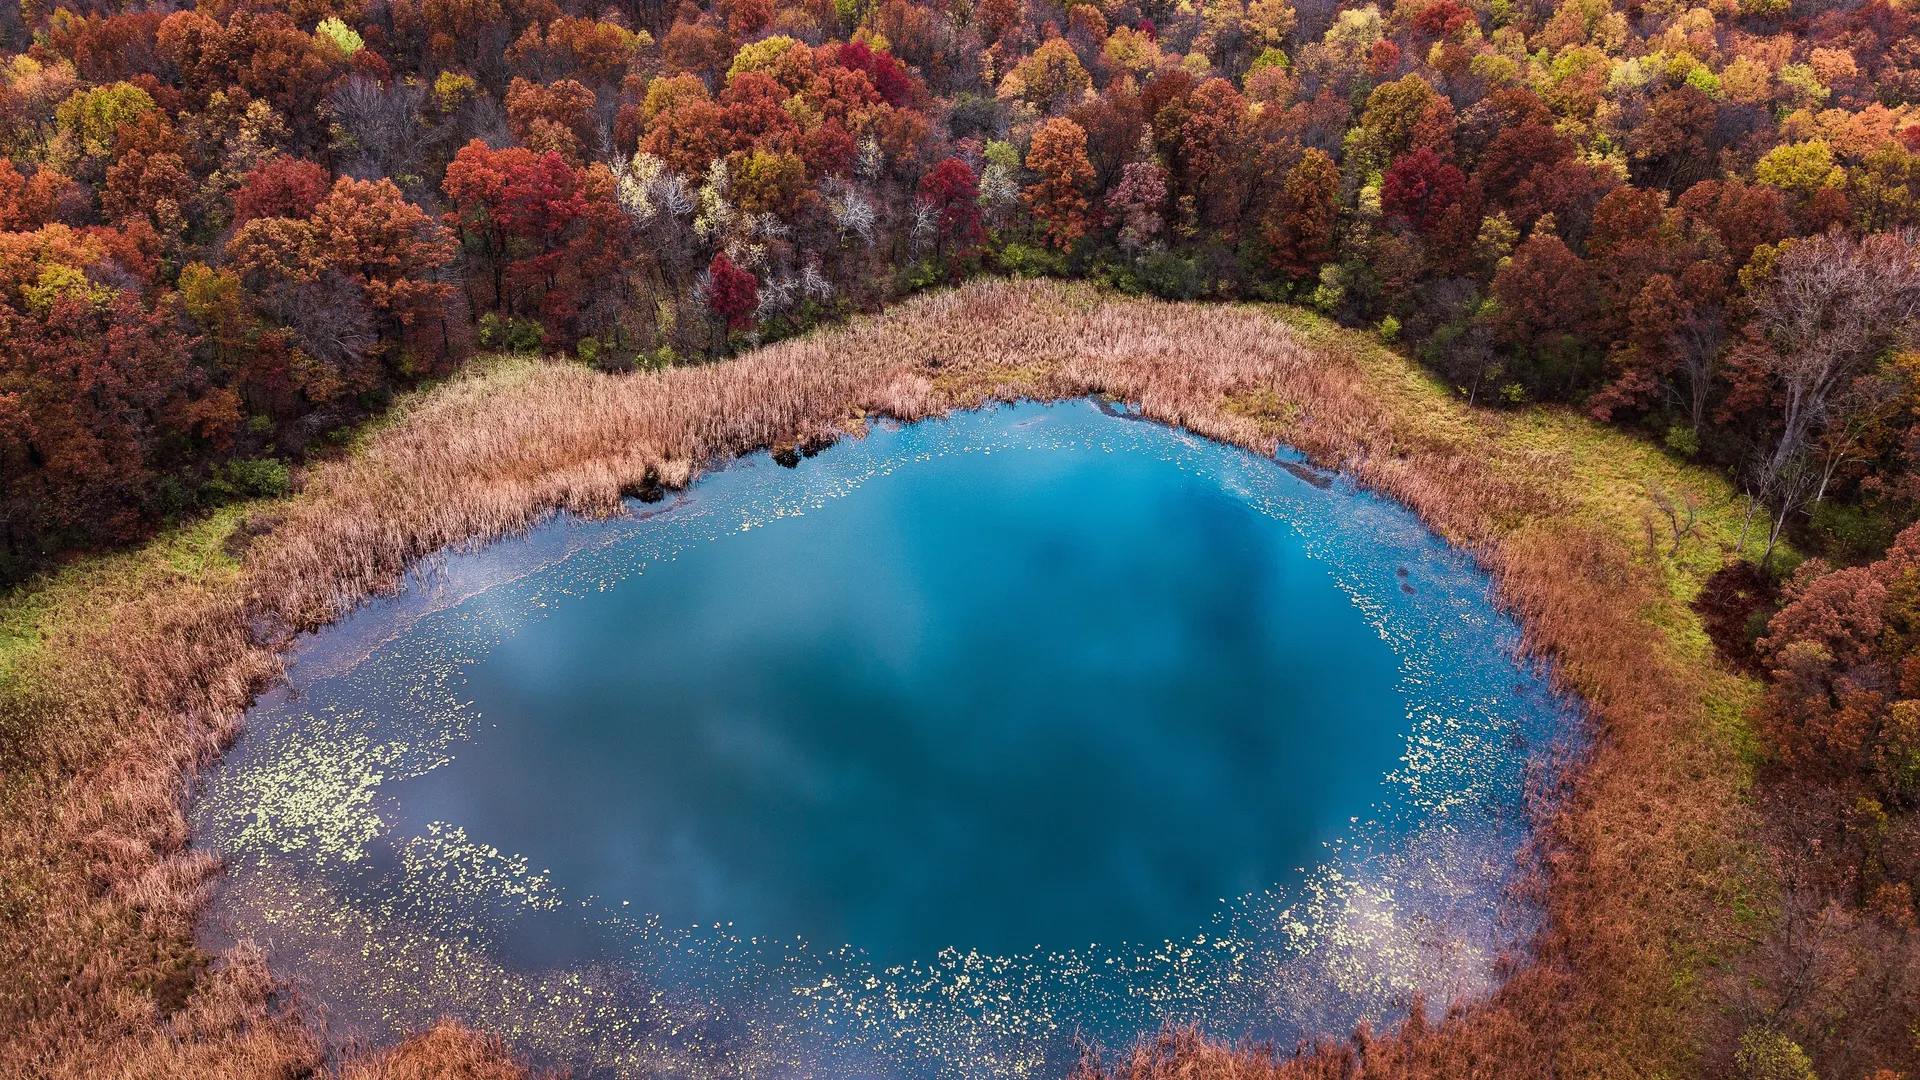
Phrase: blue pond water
(950, 748)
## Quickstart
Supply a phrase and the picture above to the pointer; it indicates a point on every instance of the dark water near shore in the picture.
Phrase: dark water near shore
(929, 757)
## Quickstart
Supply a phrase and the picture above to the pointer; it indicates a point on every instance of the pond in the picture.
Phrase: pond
(947, 752)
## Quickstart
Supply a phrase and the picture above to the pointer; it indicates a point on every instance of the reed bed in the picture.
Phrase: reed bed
(145, 679)
(445, 1051)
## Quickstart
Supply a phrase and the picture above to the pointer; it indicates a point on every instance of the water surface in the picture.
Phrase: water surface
(947, 749)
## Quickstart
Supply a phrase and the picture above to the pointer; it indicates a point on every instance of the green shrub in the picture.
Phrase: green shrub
(1332, 290)
(1031, 261)
(512, 335)
(850, 12)
(172, 497)
(1852, 534)
(525, 335)
(1768, 1055)
(339, 35)
(1896, 761)
(975, 114)
(1389, 330)
(1270, 57)
(249, 478)
(916, 276)
(1115, 275)
(1683, 440)
(1168, 276)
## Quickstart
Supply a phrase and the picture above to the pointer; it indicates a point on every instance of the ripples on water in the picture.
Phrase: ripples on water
(388, 923)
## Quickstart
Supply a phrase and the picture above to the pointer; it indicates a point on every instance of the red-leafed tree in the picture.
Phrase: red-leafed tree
(1515, 153)
(283, 187)
(954, 196)
(1545, 291)
(1546, 307)
(1443, 18)
(1744, 216)
(1212, 159)
(1298, 227)
(732, 293)
(1138, 202)
(1420, 188)
(1383, 59)
(515, 210)
(888, 74)
(98, 398)
(1845, 703)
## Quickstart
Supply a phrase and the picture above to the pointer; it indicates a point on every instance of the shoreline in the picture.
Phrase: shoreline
(118, 718)
(1418, 898)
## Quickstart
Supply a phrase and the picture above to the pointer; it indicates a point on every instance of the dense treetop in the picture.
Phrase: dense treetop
(232, 229)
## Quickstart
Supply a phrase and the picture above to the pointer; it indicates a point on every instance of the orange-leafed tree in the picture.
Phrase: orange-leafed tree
(557, 117)
(390, 248)
(1298, 227)
(1058, 198)
(1212, 160)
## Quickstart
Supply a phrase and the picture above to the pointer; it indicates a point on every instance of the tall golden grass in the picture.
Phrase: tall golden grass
(106, 723)
(445, 1051)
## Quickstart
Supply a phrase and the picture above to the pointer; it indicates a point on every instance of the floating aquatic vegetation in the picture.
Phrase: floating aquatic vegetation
(389, 930)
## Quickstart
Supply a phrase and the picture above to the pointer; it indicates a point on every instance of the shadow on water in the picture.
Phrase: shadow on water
(930, 756)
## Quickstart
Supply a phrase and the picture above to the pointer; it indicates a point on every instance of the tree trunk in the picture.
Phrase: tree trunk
(1779, 525)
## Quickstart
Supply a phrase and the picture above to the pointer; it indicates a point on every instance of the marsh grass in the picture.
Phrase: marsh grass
(120, 678)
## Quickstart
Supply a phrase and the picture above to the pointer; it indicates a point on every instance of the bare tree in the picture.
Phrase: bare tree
(661, 208)
(1698, 340)
(1836, 305)
(386, 135)
(1857, 423)
(1682, 513)
(923, 223)
(852, 213)
(1783, 490)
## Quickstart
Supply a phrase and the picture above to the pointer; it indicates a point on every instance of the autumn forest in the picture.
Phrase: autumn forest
(232, 233)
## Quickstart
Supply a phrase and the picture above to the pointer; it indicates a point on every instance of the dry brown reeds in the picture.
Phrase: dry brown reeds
(107, 721)
(445, 1051)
